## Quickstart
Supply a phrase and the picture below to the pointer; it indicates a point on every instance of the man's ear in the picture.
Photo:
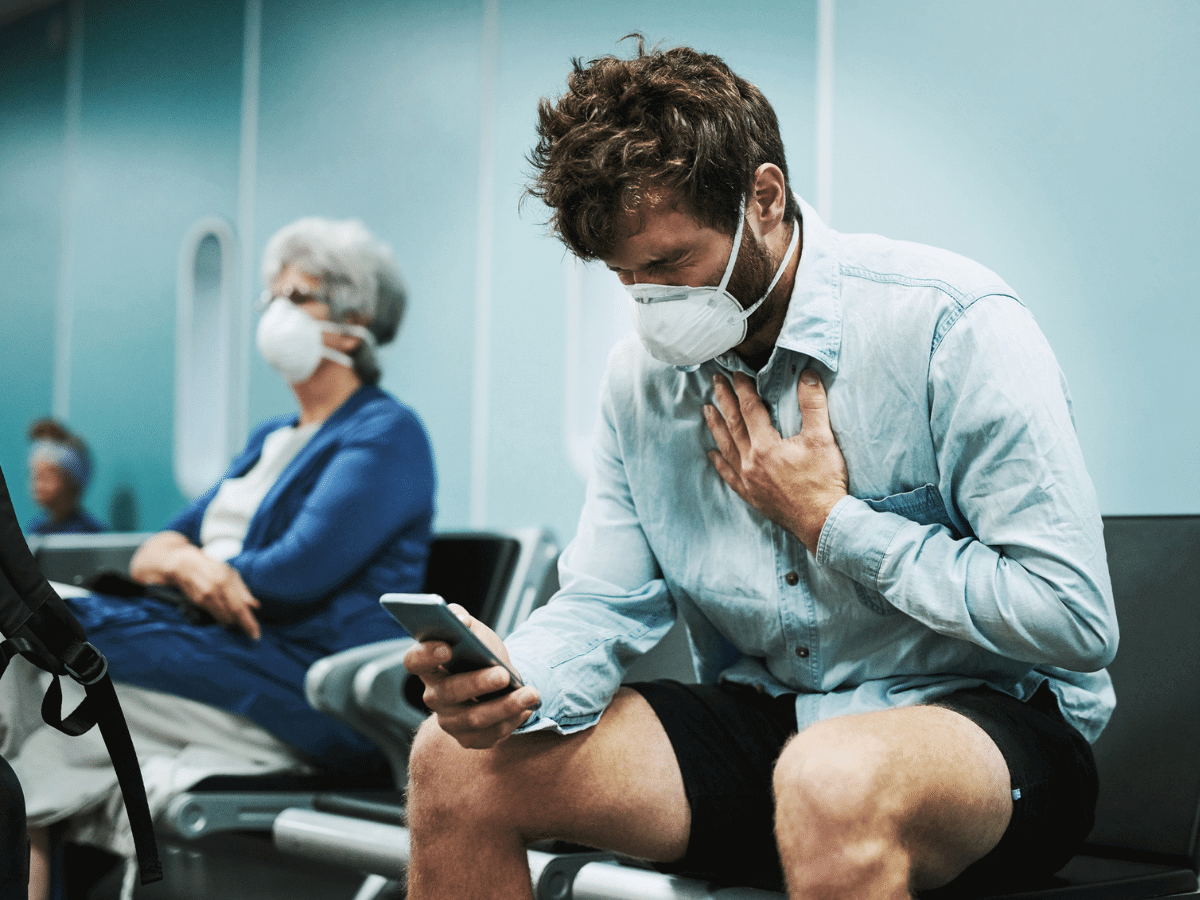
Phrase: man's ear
(769, 199)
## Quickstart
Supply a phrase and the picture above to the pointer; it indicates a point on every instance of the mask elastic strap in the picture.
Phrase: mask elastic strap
(358, 331)
(337, 356)
(786, 258)
(345, 328)
(748, 311)
(737, 243)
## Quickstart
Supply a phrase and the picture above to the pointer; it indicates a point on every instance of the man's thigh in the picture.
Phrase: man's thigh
(615, 786)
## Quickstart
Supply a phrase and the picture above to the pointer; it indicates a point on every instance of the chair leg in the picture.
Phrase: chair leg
(376, 887)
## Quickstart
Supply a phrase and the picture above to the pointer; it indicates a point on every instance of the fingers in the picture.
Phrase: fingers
(465, 687)
(452, 698)
(425, 659)
(244, 619)
(814, 408)
(235, 603)
(461, 611)
(232, 605)
(725, 458)
(745, 417)
(485, 724)
(232, 613)
(730, 427)
(753, 412)
(740, 424)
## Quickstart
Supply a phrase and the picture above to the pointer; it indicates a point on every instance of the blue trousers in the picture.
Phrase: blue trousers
(151, 644)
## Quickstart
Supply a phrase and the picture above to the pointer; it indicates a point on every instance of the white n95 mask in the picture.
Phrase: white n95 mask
(686, 326)
(290, 340)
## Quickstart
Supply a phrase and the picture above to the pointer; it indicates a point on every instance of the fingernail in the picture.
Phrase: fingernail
(442, 654)
(808, 376)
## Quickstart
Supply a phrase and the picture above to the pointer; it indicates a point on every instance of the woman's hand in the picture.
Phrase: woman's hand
(214, 586)
(452, 697)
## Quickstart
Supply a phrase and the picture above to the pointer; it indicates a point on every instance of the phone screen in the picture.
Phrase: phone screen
(428, 618)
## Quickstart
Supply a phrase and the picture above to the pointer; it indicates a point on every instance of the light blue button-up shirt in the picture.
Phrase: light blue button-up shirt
(970, 550)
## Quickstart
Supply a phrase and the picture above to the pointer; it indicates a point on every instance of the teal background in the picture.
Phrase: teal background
(1053, 140)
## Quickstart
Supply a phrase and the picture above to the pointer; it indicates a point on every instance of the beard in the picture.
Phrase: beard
(753, 271)
(751, 276)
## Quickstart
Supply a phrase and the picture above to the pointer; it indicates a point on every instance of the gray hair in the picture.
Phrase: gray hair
(357, 272)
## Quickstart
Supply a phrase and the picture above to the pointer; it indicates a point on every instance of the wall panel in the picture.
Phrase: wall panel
(32, 96)
(1055, 143)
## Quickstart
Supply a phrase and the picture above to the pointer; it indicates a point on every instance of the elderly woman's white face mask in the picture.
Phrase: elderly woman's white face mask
(290, 340)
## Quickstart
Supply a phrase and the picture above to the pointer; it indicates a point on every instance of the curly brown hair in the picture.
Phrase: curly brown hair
(676, 120)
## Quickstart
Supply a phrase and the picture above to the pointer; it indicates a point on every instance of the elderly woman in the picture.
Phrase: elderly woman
(280, 563)
(60, 468)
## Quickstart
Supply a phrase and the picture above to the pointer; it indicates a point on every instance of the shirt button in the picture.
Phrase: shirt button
(792, 578)
(802, 652)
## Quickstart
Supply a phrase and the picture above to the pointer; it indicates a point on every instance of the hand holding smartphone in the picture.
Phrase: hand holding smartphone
(427, 617)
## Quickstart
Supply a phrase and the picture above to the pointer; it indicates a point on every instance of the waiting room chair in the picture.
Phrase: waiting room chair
(73, 558)
(499, 576)
(1146, 842)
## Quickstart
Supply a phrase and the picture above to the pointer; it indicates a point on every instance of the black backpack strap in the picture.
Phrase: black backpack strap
(101, 706)
(40, 627)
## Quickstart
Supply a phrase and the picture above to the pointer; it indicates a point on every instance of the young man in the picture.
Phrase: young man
(849, 464)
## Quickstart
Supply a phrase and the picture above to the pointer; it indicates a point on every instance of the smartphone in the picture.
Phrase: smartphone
(428, 618)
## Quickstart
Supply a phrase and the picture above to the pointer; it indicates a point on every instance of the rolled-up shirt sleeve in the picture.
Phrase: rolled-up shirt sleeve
(613, 605)
(1024, 574)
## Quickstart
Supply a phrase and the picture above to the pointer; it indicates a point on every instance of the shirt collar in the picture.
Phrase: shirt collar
(813, 324)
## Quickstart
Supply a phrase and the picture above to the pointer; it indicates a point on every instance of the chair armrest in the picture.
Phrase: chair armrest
(329, 686)
(384, 690)
(329, 682)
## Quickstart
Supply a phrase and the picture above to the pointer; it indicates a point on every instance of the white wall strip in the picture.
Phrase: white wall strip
(239, 350)
(824, 130)
(481, 396)
(64, 312)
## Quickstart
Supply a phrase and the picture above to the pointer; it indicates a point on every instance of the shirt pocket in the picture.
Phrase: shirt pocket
(924, 506)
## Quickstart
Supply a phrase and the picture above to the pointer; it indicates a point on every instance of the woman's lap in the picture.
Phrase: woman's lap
(150, 644)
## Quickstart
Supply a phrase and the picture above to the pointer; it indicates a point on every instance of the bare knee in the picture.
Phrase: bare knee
(500, 790)
(448, 785)
(838, 814)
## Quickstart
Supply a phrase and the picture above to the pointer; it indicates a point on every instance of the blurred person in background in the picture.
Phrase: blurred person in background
(60, 467)
(279, 564)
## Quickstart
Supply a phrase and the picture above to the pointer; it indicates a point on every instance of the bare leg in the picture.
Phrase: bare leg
(39, 863)
(472, 813)
(880, 804)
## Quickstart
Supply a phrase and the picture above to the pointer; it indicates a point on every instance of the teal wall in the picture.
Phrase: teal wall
(1056, 142)
(32, 98)
(1053, 140)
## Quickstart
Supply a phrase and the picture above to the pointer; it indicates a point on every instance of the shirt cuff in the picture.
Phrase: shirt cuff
(549, 715)
(856, 538)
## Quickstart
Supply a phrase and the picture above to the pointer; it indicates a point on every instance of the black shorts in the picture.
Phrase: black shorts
(727, 738)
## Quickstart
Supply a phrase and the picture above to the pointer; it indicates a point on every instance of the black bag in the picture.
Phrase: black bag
(38, 625)
(14, 839)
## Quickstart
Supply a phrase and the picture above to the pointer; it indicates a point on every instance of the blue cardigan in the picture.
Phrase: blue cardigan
(349, 518)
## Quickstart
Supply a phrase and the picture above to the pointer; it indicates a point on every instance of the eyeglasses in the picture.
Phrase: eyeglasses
(296, 296)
